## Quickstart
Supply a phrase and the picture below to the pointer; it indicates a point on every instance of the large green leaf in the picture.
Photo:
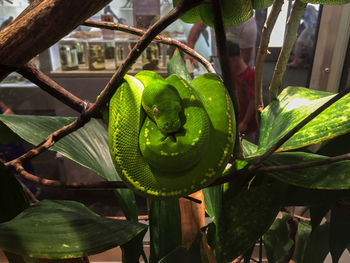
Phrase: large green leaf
(234, 12)
(87, 146)
(304, 231)
(245, 218)
(176, 65)
(64, 229)
(165, 227)
(339, 230)
(12, 197)
(291, 107)
(276, 241)
(261, 4)
(333, 176)
(317, 246)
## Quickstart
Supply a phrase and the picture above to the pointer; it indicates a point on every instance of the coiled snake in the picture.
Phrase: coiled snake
(168, 138)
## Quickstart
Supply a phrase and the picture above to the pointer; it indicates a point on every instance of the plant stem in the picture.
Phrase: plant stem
(220, 39)
(291, 35)
(262, 52)
(160, 39)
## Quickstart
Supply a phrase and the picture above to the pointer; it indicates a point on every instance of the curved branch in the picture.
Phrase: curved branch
(36, 29)
(117, 78)
(291, 36)
(47, 84)
(160, 39)
(262, 52)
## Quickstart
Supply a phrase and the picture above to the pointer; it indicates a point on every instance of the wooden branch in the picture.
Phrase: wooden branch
(160, 39)
(262, 52)
(47, 84)
(42, 25)
(221, 44)
(291, 36)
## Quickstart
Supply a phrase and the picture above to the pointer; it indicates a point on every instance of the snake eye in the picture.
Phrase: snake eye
(155, 110)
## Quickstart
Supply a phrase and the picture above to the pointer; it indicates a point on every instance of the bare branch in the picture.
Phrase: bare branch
(262, 52)
(291, 36)
(47, 84)
(160, 39)
(36, 29)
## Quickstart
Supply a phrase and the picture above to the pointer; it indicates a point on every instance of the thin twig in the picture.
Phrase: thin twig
(239, 259)
(220, 39)
(262, 52)
(160, 39)
(291, 36)
(295, 215)
(33, 74)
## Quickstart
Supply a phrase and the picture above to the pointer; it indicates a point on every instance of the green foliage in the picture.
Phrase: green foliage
(64, 229)
(339, 229)
(276, 240)
(291, 107)
(165, 228)
(331, 176)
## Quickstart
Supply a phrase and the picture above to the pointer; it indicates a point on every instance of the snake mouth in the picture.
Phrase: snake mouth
(173, 135)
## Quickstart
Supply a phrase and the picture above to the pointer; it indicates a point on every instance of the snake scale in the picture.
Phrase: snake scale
(167, 137)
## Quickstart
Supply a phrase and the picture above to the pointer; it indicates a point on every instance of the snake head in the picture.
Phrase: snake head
(162, 104)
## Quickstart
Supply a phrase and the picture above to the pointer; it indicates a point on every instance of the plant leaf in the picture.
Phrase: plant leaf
(165, 227)
(317, 213)
(64, 229)
(261, 4)
(333, 176)
(276, 241)
(12, 197)
(291, 107)
(245, 218)
(304, 231)
(317, 246)
(87, 146)
(176, 65)
(335, 146)
(339, 230)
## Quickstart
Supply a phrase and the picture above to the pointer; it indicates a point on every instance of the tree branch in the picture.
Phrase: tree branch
(220, 39)
(291, 36)
(262, 52)
(160, 39)
(36, 29)
(47, 84)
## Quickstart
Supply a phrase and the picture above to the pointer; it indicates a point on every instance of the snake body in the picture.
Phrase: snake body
(168, 138)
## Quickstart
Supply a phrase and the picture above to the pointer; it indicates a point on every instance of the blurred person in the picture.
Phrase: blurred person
(244, 79)
(304, 45)
(244, 33)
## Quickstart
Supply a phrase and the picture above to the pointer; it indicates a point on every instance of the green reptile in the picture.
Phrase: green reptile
(168, 138)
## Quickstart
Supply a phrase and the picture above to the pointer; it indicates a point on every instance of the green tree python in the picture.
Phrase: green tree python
(167, 137)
